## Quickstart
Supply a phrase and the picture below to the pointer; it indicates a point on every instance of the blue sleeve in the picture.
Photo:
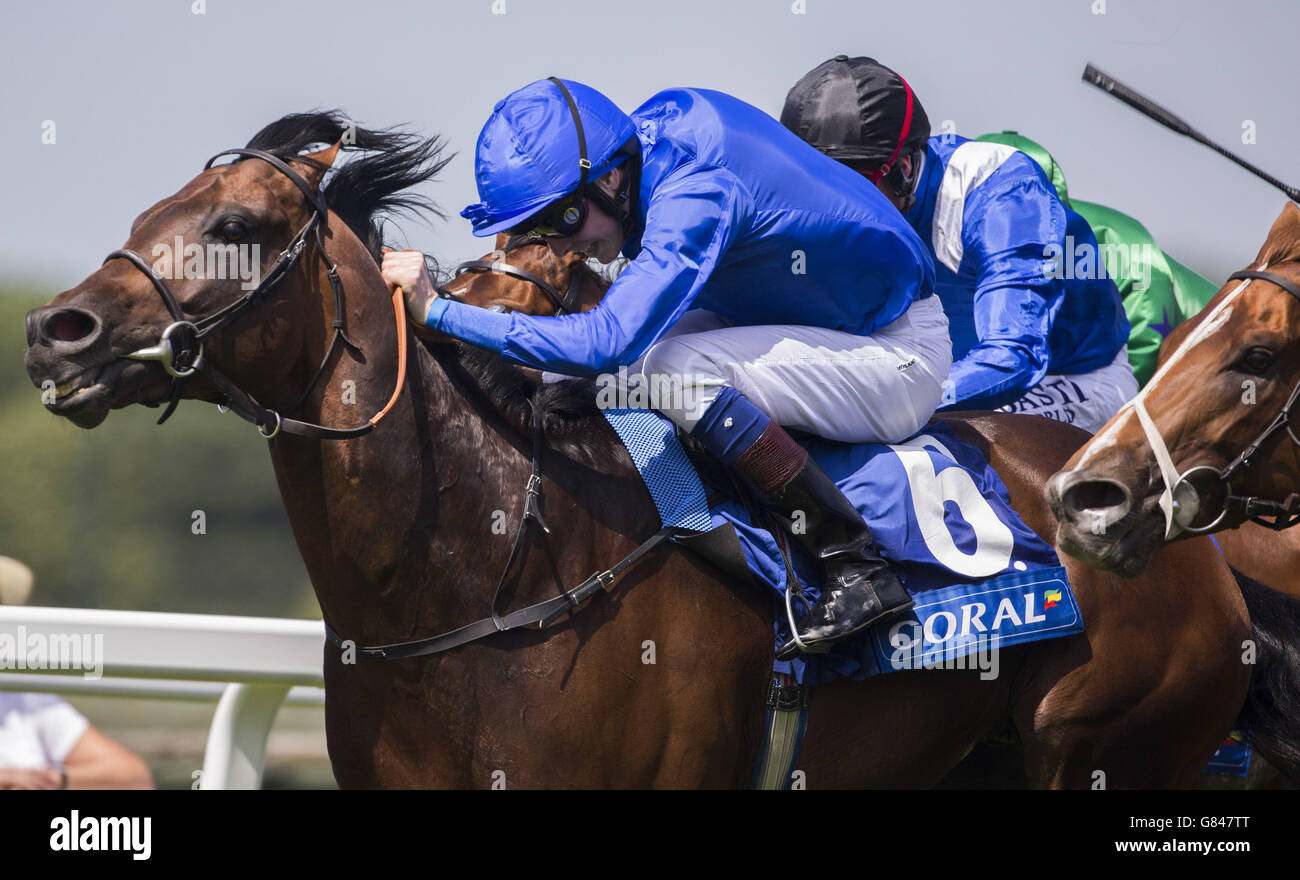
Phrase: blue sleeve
(691, 220)
(1013, 225)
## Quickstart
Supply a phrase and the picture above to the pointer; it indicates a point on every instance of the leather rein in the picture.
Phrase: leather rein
(180, 348)
(536, 616)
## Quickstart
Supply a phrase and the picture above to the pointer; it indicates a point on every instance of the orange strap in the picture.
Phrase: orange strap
(399, 310)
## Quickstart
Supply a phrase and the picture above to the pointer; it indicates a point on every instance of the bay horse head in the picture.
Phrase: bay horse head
(216, 293)
(524, 275)
(1208, 443)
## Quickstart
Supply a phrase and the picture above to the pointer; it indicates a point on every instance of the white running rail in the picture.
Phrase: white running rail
(251, 665)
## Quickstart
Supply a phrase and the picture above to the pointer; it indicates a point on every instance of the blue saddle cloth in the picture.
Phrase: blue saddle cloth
(1233, 757)
(938, 512)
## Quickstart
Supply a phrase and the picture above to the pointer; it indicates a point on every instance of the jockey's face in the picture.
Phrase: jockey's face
(905, 163)
(600, 236)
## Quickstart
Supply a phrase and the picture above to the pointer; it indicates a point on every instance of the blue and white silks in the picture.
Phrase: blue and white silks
(1019, 273)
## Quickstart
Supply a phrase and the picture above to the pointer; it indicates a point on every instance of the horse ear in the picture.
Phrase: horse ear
(1283, 242)
(502, 239)
(313, 173)
(573, 258)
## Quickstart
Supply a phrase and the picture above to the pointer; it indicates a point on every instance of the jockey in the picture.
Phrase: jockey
(767, 287)
(1029, 332)
(1159, 292)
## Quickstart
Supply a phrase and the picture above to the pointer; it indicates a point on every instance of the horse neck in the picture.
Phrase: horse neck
(390, 524)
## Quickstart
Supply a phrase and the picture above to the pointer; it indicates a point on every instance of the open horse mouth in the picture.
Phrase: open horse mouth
(85, 399)
(66, 392)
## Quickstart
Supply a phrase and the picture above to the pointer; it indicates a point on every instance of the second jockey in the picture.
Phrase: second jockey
(1034, 328)
(768, 284)
(1159, 292)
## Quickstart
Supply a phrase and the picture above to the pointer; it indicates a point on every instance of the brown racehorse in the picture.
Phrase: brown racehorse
(1158, 472)
(398, 532)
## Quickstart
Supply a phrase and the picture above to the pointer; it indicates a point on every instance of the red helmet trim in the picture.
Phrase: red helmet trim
(875, 176)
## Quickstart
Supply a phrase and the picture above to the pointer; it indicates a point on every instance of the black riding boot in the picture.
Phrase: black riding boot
(859, 587)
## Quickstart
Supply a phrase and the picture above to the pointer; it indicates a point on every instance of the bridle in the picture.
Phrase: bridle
(1180, 494)
(180, 348)
(497, 263)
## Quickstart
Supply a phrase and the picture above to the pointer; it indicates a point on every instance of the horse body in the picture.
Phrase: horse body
(661, 681)
(396, 532)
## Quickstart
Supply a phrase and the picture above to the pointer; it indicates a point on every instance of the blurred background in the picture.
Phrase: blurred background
(142, 93)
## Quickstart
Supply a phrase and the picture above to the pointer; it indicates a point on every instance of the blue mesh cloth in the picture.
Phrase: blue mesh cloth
(652, 442)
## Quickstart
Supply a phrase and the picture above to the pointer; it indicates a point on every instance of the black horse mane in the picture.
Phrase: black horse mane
(390, 162)
(564, 405)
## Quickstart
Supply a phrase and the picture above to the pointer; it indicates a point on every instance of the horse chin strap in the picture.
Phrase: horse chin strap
(180, 348)
(1180, 502)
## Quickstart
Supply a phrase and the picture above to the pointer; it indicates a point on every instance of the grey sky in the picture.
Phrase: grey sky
(143, 92)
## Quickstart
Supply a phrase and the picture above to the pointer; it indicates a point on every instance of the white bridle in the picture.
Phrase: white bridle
(1169, 504)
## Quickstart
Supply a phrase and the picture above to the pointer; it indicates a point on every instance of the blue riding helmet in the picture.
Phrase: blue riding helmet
(528, 152)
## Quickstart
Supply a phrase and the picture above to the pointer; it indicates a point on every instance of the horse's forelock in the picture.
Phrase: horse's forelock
(390, 162)
(291, 134)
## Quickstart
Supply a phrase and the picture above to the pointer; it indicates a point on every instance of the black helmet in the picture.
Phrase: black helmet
(858, 111)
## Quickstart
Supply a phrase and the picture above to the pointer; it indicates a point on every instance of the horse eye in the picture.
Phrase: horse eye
(233, 230)
(1257, 360)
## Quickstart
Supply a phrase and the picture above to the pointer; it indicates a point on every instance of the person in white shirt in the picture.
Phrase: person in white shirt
(47, 744)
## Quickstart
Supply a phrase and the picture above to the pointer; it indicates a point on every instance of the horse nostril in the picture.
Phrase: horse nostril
(69, 325)
(1096, 495)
